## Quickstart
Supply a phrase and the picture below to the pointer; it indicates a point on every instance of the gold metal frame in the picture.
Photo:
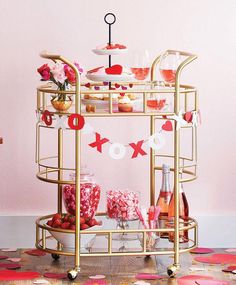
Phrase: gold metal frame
(181, 165)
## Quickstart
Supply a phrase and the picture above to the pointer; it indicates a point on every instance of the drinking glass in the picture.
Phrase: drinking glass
(168, 65)
(140, 64)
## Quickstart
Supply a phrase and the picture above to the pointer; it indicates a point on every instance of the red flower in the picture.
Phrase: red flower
(44, 71)
(70, 74)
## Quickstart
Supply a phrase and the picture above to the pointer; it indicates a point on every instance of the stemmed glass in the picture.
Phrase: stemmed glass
(168, 65)
(140, 64)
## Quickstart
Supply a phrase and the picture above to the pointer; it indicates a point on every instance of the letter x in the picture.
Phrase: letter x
(137, 149)
(99, 142)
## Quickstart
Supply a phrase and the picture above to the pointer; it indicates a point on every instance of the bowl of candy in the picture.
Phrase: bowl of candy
(121, 205)
(65, 230)
(89, 195)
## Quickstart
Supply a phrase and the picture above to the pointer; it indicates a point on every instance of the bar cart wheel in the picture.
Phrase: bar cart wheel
(72, 274)
(55, 256)
(172, 270)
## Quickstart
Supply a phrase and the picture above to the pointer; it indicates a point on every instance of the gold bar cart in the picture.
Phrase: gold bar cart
(184, 167)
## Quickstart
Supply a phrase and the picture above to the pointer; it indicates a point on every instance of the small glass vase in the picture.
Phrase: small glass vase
(152, 238)
(61, 102)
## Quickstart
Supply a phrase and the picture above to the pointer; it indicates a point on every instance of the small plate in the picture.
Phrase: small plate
(110, 51)
(110, 77)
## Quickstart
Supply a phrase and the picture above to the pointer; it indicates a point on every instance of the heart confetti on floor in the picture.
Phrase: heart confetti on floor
(14, 275)
(148, 276)
(41, 281)
(201, 250)
(211, 282)
(14, 259)
(10, 249)
(97, 277)
(55, 275)
(3, 257)
(229, 268)
(35, 252)
(10, 265)
(190, 279)
(95, 281)
(231, 250)
(217, 258)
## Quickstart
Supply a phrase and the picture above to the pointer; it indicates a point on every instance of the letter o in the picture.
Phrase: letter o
(161, 141)
(80, 121)
(121, 151)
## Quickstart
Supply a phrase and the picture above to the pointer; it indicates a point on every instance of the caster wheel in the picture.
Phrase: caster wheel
(72, 274)
(55, 256)
(172, 270)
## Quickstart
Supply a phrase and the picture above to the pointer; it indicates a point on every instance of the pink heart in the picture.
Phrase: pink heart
(201, 250)
(14, 259)
(188, 116)
(148, 276)
(211, 282)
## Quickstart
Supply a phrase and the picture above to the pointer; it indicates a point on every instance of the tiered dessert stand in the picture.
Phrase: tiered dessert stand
(52, 170)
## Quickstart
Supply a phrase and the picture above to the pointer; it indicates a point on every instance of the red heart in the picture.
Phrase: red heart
(167, 126)
(122, 94)
(164, 117)
(117, 85)
(10, 265)
(95, 69)
(188, 116)
(114, 69)
(87, 85)
(3, 257)
(131, 85)
(35, 252)
(14, 275)
(55, 275)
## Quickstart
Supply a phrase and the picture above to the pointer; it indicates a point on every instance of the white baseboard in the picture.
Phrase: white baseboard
(214, 231)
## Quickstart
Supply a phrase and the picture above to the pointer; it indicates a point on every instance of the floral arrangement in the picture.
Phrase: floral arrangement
(60, 74)
(63, 76)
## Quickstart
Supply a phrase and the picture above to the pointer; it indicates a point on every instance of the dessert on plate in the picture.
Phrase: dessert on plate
(125, 104)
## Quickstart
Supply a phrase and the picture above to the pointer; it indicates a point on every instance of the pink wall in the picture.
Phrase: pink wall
(73, 29)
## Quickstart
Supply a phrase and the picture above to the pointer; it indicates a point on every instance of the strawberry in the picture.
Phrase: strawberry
(84, 226)
(65, 225)
(82, 220)
(117, 85)
(56, 217)
(92, 222)
(87, 85)
(72, 219)
(57, 223)
(72, 227)
(49, 223)
(66, 218)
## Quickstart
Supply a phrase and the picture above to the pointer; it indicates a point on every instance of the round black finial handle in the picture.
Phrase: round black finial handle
(110, 18)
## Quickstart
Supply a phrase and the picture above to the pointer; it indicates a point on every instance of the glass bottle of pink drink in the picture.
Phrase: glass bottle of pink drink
(164, 199)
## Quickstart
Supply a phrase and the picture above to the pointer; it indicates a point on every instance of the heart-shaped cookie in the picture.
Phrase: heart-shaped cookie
(114, 69)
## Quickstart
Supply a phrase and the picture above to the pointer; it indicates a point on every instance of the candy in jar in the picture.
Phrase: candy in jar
(89, 195)
(122, 204)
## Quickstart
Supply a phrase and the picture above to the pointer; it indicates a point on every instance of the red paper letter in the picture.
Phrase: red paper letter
(47, 118)
(79, 124)
(137, 149)
(99, 142)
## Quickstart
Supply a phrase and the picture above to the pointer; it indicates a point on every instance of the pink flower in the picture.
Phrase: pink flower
(44, 71)
(59, 73)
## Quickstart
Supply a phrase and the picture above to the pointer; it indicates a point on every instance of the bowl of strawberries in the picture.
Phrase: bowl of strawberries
(62, 228)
